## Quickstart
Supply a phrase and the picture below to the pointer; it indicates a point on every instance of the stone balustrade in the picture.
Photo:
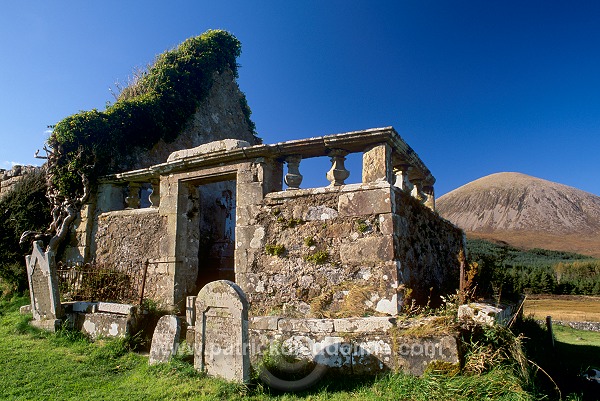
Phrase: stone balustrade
(386, 157)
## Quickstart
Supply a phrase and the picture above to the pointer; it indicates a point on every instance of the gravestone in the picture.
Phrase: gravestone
(221, 343)
(43, 288)
(165, 339)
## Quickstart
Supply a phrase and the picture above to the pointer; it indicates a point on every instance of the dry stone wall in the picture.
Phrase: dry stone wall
(428, 247)
(129, 238)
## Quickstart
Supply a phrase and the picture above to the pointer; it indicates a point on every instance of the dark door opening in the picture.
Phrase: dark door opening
(216, 232)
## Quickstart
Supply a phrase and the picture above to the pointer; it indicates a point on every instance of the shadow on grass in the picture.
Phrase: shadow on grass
(331, 383)
(564, 363)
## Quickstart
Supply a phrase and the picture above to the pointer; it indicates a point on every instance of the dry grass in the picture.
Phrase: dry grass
(574, 308)
(578, 243)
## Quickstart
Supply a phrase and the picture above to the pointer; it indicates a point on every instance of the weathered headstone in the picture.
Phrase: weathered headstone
(221, 344)
(165, 339)
(43, 288)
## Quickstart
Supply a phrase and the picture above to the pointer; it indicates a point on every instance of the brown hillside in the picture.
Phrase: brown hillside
(526, 212)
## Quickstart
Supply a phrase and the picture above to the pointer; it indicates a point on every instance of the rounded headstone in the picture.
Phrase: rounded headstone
(165, 339)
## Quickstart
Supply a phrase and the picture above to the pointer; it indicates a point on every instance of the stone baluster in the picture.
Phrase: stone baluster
(430, 196)
(155, 194)
(293, 178)
(338, 173)
(133, 200)
(417, 191)
(401, 172)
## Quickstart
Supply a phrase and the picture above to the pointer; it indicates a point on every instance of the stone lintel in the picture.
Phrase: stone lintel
(119, 309)
(264, 322)
(306, 325)
(364, 324)
(211, 147)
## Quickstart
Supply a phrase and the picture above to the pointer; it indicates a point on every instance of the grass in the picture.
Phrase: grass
(563, 307)
(575, 351)
(65, 366)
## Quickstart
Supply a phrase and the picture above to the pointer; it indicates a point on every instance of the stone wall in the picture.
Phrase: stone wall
(358, 346)
(428, 247)
(309, 253)
(8, 178)
(352, 250)
(588, 326)
(130, 238)
(219, 116)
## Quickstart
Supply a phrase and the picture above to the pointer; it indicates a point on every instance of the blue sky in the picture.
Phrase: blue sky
(475, 87)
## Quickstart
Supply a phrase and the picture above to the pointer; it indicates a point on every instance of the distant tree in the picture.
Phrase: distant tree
(22, 208)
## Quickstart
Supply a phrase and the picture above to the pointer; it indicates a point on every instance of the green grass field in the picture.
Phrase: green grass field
(36, 365)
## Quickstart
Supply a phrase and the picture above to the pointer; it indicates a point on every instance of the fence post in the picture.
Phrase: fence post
(550, 333)
(144, 281)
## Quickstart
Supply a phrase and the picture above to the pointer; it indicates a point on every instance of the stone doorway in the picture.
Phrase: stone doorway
(216, 228)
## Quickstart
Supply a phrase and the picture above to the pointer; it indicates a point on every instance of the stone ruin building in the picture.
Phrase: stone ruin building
(8, 178)
(335, 264)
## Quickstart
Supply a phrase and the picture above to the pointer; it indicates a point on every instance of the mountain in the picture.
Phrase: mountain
(526, 212)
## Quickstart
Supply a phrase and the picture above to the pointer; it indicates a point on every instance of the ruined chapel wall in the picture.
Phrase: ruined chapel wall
(219, 116)
(129, 238)
(336, 261)
(428, 248)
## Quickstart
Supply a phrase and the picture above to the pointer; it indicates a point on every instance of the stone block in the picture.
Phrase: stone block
(388, 223)
(246, 215)
(249, 193)
(249, 237)
(414, 354)
(365, 202)
(334, 352)
(165, 339)
(215, 146)
(377, 164)
(87, 307)
(481, 313)
(364, 324)
(190, 336)
(51, 325)
(368, 249)
(96, 325)
(25, 309)
(320, 213)
(306, 325)
(119, 309)
(264, 322)
(372, 354)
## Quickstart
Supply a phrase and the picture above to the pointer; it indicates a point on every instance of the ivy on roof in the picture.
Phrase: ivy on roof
(156, 106)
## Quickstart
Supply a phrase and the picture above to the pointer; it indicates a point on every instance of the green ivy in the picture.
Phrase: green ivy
(155, 107)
